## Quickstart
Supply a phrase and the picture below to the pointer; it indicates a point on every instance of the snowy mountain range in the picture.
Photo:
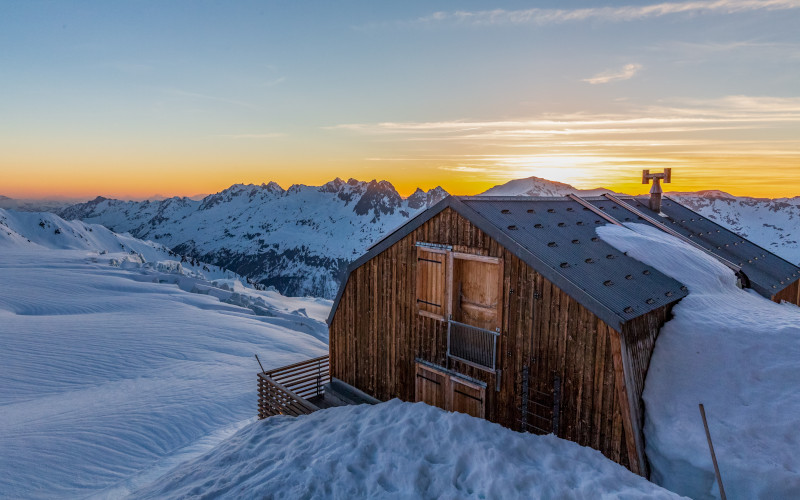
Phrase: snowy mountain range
(300, 240)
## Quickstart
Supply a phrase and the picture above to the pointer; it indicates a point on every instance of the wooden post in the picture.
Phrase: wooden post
(713, 455)
(259, 363)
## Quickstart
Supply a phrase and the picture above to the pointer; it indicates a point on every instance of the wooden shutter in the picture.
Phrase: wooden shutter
(478, 290)
(467, 398)
(431, 386)
(431, 282)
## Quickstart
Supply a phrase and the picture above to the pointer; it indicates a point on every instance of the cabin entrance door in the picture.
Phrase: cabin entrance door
(446, 390)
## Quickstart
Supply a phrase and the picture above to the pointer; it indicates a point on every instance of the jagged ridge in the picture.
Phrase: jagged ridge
(299, 240)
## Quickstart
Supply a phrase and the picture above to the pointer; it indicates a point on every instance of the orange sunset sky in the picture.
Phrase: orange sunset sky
(137, 99)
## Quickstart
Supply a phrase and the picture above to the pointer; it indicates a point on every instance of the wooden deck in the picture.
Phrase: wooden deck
(290, 390)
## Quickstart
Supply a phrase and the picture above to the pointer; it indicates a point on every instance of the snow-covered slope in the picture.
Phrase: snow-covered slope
(536, 186)
(771, 223)
(115, 366)
(738, 354)
(299, 240)
(397, 450)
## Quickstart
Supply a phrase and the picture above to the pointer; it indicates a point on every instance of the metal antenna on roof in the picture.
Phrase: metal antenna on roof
(656, 191)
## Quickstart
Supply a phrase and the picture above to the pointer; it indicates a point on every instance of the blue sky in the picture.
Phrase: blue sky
(133, 98)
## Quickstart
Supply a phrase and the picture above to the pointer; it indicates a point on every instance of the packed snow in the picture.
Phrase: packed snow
(397, 450)
(738, 354)
(115, 366)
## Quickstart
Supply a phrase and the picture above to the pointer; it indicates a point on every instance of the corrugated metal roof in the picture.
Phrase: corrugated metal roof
(768, 274)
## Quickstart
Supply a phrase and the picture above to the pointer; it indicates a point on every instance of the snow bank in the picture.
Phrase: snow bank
(397, 450)
(738, 354)
(110, 376)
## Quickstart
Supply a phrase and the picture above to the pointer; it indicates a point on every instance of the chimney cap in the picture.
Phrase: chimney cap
(666, 176)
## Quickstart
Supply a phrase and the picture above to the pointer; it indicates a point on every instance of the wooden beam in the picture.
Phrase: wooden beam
(631, 431)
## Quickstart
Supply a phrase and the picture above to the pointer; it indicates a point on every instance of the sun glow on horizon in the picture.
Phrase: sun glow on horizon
(105, 101)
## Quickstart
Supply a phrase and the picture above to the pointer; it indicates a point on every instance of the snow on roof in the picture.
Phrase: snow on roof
(767, 273)
(736, 352)
(397, 450)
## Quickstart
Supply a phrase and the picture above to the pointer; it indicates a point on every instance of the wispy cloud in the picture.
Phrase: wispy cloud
(626, 73)
(535, 16)
(727, 130)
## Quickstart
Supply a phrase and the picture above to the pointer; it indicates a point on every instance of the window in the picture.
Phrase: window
(477, 284)
(432, 282)
(461, 286)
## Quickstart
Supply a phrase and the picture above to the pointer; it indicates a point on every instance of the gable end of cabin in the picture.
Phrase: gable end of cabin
(558, 368)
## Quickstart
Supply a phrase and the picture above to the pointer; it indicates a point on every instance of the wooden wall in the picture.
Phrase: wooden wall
(790, 294)
(376, 334)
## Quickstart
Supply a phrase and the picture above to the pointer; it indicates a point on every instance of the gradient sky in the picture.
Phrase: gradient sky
(132, 99)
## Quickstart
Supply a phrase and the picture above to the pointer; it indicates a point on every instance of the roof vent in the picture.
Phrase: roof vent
(656, 191)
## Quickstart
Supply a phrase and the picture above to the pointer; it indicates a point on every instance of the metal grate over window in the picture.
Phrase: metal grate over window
(472, 345)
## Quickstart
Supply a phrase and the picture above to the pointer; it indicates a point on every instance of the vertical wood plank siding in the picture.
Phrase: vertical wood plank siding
(376, 334)
(790, 294)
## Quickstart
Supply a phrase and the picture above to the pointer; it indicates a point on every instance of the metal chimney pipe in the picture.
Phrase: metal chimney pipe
(656, 191)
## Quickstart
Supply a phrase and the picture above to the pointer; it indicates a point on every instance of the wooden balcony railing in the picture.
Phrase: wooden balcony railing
(287, 390)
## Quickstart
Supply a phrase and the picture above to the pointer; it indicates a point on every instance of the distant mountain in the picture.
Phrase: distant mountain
(299, 240)
(771, 223)
(536, 186)
(30, 231)
(37, 205)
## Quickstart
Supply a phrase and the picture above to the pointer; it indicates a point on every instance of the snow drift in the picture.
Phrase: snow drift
(738, 354)
(397, 450)
(116, 366)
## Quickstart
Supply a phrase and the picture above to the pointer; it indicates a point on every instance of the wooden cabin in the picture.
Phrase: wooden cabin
(513, 310)
(509, 309)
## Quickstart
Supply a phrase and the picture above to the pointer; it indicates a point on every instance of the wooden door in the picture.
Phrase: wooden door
(477, 290)
(449, 392)
(467, 398)
(431, 386)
